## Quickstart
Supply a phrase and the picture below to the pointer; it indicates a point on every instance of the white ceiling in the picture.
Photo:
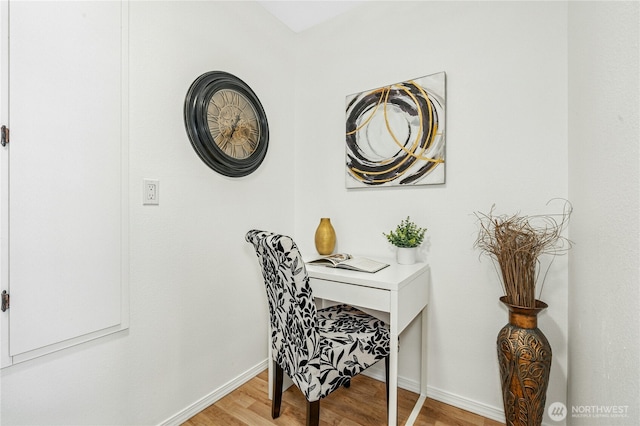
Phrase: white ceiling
(300, 15)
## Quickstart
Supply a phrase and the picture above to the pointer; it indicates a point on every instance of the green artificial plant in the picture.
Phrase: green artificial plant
(407, 234)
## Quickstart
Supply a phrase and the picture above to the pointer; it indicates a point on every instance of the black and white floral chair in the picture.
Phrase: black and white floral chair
(319, 349)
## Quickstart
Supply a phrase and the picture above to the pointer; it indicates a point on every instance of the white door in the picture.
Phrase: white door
(64, 175)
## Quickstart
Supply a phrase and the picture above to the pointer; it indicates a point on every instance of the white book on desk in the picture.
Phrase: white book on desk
(346, 261)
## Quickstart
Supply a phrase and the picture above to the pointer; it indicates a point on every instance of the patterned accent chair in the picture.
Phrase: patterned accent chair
(319, 349)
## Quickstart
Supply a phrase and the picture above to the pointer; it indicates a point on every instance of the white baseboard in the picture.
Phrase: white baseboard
(482, 409)
(494, 413)
(485, 410)
(207, 400)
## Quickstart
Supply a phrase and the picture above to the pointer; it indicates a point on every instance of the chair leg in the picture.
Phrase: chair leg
(386, 380)
(277, 391)
(313, 413)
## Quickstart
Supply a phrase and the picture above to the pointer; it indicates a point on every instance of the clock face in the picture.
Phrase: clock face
(233, 123)
(226, 124)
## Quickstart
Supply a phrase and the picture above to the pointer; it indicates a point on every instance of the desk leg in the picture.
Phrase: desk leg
(393, 380)
(393, 361)
(423, 369)
(423, 364)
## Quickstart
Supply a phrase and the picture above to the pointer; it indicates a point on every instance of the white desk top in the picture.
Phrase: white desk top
(393, 277)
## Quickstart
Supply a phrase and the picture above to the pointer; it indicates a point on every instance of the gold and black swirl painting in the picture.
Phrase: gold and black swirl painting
(395, 135)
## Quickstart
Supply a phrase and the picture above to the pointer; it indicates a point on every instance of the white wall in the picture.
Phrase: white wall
(195, 301)
(604, 184)
(506, 65)
(198, 312)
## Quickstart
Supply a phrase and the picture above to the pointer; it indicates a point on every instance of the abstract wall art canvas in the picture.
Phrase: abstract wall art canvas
(395, 135)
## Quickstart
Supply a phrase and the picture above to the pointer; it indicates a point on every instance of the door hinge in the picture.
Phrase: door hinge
(5, 135)
(5, 300)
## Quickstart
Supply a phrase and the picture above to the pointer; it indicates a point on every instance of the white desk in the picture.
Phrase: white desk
(400, 290)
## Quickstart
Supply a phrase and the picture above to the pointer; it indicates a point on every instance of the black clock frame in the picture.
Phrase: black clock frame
(195, 119)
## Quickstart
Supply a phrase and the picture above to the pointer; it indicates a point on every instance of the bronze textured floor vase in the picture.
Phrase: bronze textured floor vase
(524, 355)
(516, 244)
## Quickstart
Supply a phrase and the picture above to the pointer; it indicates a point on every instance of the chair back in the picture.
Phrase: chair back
(294, 321)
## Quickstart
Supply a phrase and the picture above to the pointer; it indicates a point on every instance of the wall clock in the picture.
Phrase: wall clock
(226, 124)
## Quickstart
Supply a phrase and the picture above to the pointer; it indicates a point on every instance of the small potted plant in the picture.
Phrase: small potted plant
(407, 237)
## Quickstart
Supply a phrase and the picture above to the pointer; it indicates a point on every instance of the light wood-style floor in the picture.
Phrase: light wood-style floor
(363, 404)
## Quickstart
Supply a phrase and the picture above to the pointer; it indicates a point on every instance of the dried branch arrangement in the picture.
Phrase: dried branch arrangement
(516, 244)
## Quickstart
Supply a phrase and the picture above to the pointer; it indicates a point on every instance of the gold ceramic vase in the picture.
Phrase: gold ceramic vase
(325, 237)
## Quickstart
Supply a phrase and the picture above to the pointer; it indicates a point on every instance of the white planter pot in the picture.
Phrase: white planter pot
(406, 255)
